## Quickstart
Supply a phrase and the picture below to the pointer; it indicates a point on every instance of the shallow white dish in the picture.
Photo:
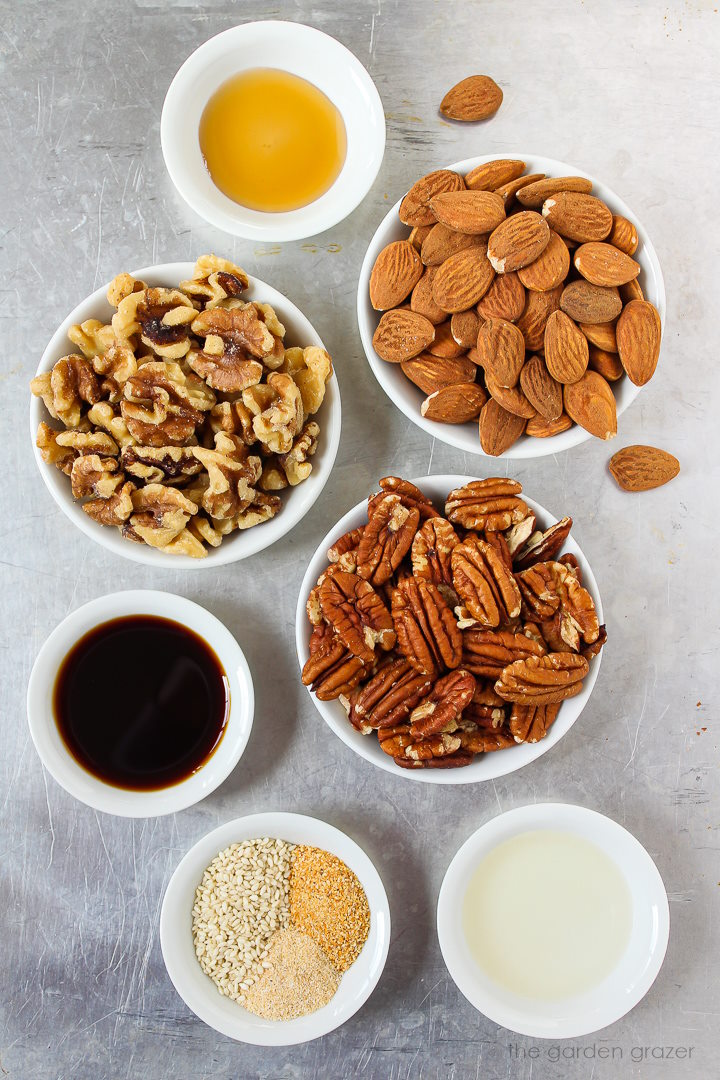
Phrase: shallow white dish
(622, 989)
(68, 772)
(199, 992)
(409, 397)
(242, 543)
(488, 766)
(302, 51)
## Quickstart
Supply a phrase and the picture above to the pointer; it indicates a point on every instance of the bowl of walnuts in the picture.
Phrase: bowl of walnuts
(511, 306)
(449, 629)
(185, 415)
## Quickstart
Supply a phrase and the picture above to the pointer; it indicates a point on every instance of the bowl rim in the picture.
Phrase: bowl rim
(517, 757)
(349, 188)
(242, 543)
(604, 1004)
(78, 781)
(200, 994)
(459, 436)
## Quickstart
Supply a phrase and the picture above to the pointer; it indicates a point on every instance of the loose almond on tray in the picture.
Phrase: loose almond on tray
(515, 303)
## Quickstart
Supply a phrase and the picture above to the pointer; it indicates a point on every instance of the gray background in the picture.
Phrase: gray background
(626, 91)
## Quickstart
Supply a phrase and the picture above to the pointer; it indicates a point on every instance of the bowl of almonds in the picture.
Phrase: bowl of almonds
(449, 629)
(511, 306)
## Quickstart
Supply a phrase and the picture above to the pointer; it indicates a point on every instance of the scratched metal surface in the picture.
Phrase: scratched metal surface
(627, 91)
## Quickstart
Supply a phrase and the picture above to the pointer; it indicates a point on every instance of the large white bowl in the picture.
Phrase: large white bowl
(199, 992)
(302, 51)
(238, 545)
(487, 766)
(51, 747)
(622, 989)
(409, 397)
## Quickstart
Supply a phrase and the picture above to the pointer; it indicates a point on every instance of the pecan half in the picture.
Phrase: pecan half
(484, 582)
(389, 697)
(592, 650)
(436, 746)
(543, 546)
(490, 504)
(552, 593)
(410, 496)
(538, 590)
(356, 613)
(427, 633)
(543, 680)
(450, 761)
(485, 742)
(530, 723)
(488, 652)
(517, 535)
(330, 670)
(444, 705)
(387, 538)
(343, 552)
(431, 551)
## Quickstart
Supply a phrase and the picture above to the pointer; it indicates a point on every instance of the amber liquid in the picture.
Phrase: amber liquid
(141, 702)
(271, 140)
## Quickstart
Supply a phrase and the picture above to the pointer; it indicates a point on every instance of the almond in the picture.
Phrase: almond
(454, 404)
(414, 209)
(606, 364)
(540, 428)
(400, 335)
(624, 235)
(493, 174)
(534, 195)
(464, 327)
(501, 350)
(601, 335)
(591, 404)
(508, 192)
(499, 429)
(511, 398)
(542, 391)
(472, 212)
(431, 373)
(603, 264)
(474, 98)
(421, 299)
(463, 279)
(517, 241)
(566, 349)
(641, 468)
(444, 344)
(549, 269)
(638, 337)
(396, 271)
(538, 308)
(505, 299)
(418, 234)
(631, 290)
(442, 242)
(587, 303)
(577, 216)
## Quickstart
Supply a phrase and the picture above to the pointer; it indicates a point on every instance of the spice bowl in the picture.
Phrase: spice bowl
(200, 993)
(299, 50)
(88, 787)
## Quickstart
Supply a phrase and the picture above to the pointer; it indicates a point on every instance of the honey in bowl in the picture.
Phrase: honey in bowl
(272, 141)
(141, 702)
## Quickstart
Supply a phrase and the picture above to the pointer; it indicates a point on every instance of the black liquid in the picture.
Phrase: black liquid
(141, 702)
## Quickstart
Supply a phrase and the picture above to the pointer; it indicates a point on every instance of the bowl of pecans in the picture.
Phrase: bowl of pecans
(449, 629)
(511, 307)
(185, 415)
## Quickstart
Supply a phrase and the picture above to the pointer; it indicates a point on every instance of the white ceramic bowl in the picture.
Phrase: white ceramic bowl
(302, 51)
(487, 766)
(58, 760)
(200, 993)
(242, 543)
(409, 397)
(635, 972)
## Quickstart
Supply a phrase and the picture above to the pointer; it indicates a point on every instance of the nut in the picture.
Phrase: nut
(427, 634)
(431, 552)
(543, 680)
(485, 583)
(444, 705)
(487, 653)
(357, 614)
(386, 539)
(491, 504)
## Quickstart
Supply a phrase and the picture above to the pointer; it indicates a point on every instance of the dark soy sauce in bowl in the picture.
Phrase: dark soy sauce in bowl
(141, 702)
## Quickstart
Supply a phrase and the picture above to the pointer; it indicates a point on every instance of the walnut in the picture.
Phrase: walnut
(162, 317)
(232, 477)
(291, 468)
(160, 464)
(162, 405)
(95, 475)
(277, 410)
(160, 514)
(52, 452)
(71, 383)
(262, 508)
(312, 376)
(114, 510)
(214, 279)
(241, 331)
(115, 367)
(233, 417)
(104, 415)
(229, 371)
(123, 285)
(92, 337)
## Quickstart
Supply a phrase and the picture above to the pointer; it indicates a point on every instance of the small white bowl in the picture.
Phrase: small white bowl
(300, 50)
(69, 773)
(636, 970)
(409, 397)
(487, 766)
(242, 543)
(196, 988)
